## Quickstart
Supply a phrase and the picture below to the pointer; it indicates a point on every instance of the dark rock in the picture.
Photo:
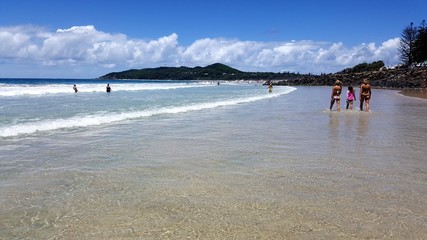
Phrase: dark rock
(384, 78)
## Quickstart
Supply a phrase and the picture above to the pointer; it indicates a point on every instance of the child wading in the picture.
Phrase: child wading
(351, 97)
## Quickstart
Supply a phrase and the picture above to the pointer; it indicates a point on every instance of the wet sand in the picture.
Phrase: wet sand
(418, 93)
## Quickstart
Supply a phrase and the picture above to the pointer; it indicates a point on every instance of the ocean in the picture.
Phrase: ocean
(198, 160)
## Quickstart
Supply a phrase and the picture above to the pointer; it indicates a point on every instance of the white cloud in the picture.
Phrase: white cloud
(73, 51)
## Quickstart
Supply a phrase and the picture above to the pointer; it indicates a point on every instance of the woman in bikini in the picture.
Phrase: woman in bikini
(365, 94)
(336, 94)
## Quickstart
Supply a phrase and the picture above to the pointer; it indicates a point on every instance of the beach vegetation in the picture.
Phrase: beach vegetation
(216, 71)
(420, 44)
(364, 67)
(413, 44)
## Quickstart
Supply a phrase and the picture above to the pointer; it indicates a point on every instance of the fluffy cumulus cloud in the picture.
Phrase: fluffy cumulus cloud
(84, 51)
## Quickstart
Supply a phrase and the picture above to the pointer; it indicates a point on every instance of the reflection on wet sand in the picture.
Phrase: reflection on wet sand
(334, 125)
(362, 125)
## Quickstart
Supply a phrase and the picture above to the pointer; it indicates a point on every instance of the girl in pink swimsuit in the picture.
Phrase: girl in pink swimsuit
(351, 97)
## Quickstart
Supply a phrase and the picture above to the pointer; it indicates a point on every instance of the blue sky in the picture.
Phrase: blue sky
(87, 39)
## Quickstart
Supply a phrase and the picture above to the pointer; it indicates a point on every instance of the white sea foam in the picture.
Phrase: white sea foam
(38, 90)
(108, 118)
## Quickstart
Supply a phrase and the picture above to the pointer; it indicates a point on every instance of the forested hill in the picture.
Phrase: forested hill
(215, 71)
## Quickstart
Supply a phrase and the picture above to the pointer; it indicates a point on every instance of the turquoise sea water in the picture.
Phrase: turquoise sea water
(161, 160)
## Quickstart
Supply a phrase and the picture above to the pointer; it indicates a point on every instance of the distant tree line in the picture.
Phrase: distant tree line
(364, 67)
(413, 44)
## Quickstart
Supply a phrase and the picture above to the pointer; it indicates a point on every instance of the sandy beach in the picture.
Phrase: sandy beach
(417, 93)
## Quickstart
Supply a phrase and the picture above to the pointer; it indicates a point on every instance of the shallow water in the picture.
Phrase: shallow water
(274, 168)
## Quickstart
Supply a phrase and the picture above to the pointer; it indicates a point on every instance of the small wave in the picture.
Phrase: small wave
(40, 90)
(105, 118)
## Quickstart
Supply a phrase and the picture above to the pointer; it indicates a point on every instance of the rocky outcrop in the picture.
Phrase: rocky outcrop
(384, 78)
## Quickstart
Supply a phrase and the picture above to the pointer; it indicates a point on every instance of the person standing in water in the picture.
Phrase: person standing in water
(336, 95)
(270, 87)
(365, 94)
(108, 88)
(351, 97)
(75, 88)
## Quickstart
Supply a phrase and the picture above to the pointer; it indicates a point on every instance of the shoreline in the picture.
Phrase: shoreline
(420, 93)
